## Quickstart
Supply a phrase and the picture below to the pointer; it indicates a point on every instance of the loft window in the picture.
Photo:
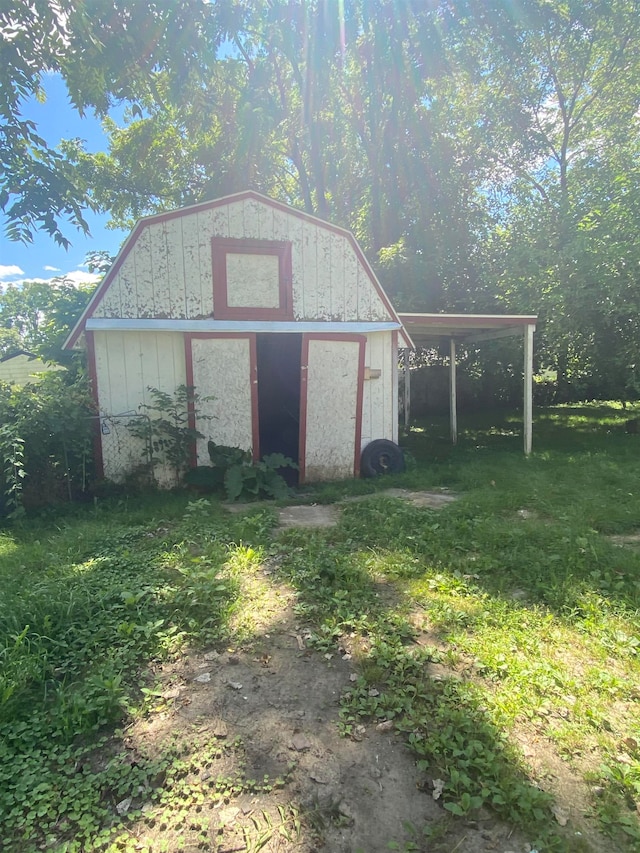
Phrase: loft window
(251, 279)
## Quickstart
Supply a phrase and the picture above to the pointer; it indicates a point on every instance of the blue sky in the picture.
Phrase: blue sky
(44, 259)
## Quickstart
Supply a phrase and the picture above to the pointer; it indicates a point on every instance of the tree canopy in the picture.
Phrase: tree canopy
(484, 154)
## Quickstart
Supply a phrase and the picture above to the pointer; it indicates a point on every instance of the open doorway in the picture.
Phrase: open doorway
(278, 361)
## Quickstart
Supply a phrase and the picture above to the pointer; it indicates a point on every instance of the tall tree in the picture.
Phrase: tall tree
(107, 51)
(38, 316)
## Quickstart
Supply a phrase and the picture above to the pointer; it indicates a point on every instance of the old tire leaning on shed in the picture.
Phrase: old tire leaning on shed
(381, 457)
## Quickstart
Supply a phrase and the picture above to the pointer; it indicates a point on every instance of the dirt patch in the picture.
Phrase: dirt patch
(630, 540)
(272, 707)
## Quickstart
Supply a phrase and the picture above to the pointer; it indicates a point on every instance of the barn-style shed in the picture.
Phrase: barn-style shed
(273, 315)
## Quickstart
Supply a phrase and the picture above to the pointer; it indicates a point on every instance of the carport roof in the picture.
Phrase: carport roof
(428, 329)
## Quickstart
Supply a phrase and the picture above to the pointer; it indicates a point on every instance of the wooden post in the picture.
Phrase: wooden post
(407, 388)
(528, 387)
(453, 408)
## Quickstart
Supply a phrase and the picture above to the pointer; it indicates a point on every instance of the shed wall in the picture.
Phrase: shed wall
(168, 271)
(377, 410)
(127, 364)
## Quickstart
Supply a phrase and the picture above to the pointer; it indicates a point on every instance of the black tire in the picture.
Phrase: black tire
(381, 457)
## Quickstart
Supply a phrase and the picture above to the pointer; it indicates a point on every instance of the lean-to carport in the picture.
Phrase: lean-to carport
(429, 330)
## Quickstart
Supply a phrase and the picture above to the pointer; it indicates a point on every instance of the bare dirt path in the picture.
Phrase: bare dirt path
(272, 705)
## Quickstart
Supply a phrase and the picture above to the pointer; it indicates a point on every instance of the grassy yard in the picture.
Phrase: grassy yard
(519, 593)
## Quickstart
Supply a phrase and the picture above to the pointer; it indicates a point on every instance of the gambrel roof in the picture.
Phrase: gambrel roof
(164, 277)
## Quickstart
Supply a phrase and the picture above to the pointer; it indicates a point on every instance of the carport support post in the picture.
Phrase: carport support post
(528, 387)
(453, 408)
(407, 388)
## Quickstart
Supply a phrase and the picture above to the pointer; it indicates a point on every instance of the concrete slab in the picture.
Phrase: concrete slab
(328, 515)
(314, 515)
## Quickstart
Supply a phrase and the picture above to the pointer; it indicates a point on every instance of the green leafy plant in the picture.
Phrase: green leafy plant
(168, 435)
(234, 470)
(13, 472)
(45, 441)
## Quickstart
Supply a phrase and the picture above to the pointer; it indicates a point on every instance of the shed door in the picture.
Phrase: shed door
(331, 406)
(223, 368)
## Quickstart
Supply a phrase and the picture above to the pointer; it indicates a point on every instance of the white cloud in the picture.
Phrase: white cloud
(47, 268)
(10, 271)
(80, 277)
(75, 277)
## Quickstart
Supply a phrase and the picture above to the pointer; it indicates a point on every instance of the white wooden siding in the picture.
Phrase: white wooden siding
(222, 372)
(21, 369)
(377, 409)
(127, 365)
(168, 271)
(331, 408)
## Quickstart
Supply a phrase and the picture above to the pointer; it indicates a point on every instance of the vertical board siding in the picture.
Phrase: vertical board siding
(128, 290)
(377, 411)
(338, 246)
(110, 305)
(216, 223)
(222, 372)
(298, 272)
(280, 224)
(160, 270)
(323, 284)
(251, 218)
(364, 294)
(174, 243)
(265, 222)
(168, 273)
(144, 275)
(235, 212)
(305, 275)
(350, 273)
(127, 363)
(331, 409)
(207, 222)
(194, 303)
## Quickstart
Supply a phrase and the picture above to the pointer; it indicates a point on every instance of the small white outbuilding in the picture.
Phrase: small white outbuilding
(272, 315)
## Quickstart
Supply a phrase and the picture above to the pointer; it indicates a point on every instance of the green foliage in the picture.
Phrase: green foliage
(487, 161)
(468, 629)
(46, 440)
(12, 456)
(37, 316)
(241, 477)
(96, 601)
(104, 57)
(168, 435)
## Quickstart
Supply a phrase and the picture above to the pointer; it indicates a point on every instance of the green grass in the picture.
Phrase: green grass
(514, 596)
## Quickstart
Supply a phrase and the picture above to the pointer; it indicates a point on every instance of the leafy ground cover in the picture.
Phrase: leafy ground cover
(498, 637)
